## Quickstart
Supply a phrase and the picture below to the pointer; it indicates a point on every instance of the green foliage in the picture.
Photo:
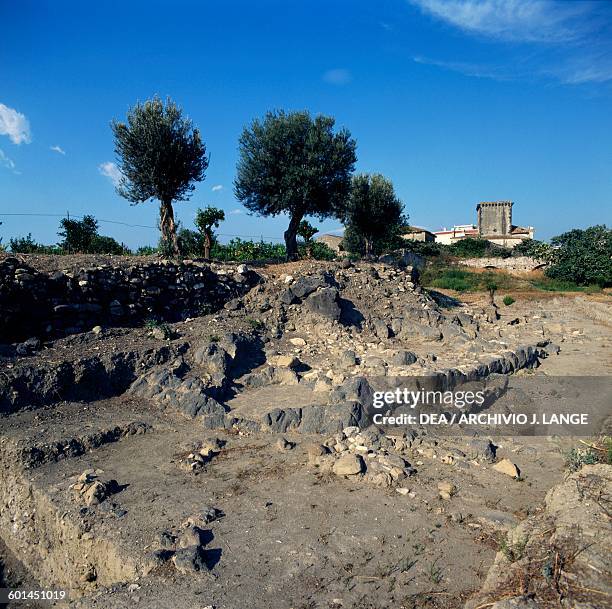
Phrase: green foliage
(246, 251)
(154, 324)
(577, 457)
(557, 285)
(146, 250)
(478, 248)
(373, 216)
(508, 300)
(295, 164)
(316, 250)
(27, 245)
(101, 244)
(306, 230)
(513, 551)
(255, 324)
(206, 220)
(81, 236)
(78, 235)
(583, 256)
(429, 249)
(450, 277)
(190, 242)
(533, 249)
(161, 155)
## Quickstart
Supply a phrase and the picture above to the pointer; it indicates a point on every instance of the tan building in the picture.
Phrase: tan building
(494, 224)
(333, 242)
(417, 233)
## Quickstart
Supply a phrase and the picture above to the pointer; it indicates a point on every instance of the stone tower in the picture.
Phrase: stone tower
(494, 218)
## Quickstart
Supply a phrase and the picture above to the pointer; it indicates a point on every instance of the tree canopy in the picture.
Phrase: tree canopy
(583, 256)
(295, 164)
(206, 219)
(373, 215)
(161, 156)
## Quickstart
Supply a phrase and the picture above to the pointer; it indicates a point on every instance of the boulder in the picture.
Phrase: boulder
(348, 465)
(505, 466)
(324, 303)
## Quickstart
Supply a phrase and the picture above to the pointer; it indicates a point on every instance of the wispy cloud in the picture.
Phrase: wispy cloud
(570, 42)
(57, 149)
(236, 212)
(469, 69)
(217, 187)
(110, 171)
(337, 76)
(15, 125)
(518, 20)
(6, 162)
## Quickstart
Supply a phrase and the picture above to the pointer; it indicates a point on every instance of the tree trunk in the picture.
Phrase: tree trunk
(168, 226)
(368, 247)
(291, 237)
(207, 244)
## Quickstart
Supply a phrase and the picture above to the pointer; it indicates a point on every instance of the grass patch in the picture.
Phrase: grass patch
(450, 276)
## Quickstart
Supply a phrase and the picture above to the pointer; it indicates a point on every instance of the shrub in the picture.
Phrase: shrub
(583, 256)
(478, 248)
(146, 250)
(508, 300)
(577, 457)
(27, 245)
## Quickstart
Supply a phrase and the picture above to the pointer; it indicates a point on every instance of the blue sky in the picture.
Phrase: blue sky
(456, 101)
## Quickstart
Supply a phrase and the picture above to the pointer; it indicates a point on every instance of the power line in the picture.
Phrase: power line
(135, 225)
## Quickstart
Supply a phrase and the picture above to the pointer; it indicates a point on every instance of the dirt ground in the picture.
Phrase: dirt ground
(277, 530)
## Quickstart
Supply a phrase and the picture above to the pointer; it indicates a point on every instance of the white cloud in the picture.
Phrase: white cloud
(217, 187)
(337, 76)
(236, 212)
(111, 171)
(6, 162)
(15, 125)
(569, 42)
(517, 20)
(57, 149)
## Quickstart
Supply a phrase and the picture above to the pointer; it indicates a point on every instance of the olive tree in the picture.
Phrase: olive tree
(295, 164)
(307, 231)
(374, 213)
(207, 219)
(161, 156)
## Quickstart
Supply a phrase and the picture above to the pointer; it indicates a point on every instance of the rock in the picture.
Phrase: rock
(346, 264)
(97, 329)
(190, 560)
(284, 361)
(284, 445)
(348, 358)
(158, 333)
(447, 487)
(243, 269)
(324, 302)
(288, 297)
(403, 358)
(484, 449)
(28, 347)
(445, 495)
(95, 493)
(505, 466)
(307, 285)
(348, 465)
(210, 514)
(315, 450)
(192, 536)
(402, 490)
(297, 342)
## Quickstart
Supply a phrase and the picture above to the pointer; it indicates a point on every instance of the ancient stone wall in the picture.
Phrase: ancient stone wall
(520, 264)
(38, 304)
